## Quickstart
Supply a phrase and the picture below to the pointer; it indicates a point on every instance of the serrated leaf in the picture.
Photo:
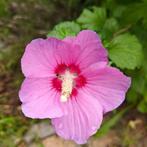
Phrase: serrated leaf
(64, 29)
(126, 51)
(92, 19)
(111, 25)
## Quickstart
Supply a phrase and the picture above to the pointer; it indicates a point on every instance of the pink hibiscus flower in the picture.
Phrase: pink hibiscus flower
(70, 82)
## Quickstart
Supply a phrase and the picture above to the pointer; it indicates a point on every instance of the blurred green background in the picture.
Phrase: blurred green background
(122, 26)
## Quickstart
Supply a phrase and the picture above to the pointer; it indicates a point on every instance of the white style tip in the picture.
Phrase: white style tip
(63, 98)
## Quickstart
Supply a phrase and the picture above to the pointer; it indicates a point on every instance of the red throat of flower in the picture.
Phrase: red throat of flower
(67, 81)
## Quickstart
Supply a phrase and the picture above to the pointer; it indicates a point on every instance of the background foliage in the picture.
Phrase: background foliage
(121, 24)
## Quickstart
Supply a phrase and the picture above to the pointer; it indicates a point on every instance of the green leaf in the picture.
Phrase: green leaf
(132, 13)
(132, 96)
(126, 51)
(142, 107)
(107, 125)
(118, 11)
(3, 8)
(135, 12)
(139, 83)
(92, 19)
(64, 29)
(111, 25)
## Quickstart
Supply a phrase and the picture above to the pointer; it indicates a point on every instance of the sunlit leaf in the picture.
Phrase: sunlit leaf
(64, 29)
(92, 19)
(126, 51)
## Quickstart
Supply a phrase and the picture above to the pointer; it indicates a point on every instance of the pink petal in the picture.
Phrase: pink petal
(66, 52)
(92, 49)
(83, 119)
(96, 66)
(108, 85)
(42, 56)
(38, 99)
(38, 59)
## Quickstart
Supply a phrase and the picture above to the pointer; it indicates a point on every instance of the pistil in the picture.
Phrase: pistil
(67, 86)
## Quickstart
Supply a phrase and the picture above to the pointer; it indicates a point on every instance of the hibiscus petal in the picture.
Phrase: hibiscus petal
(38, 99)
(83, 119)
(92, 49)
(108, 85)
(38, 59)
(66, 51)
(42, 56)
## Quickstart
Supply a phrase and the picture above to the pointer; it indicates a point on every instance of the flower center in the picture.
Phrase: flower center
(68, 80)
(67, 85)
